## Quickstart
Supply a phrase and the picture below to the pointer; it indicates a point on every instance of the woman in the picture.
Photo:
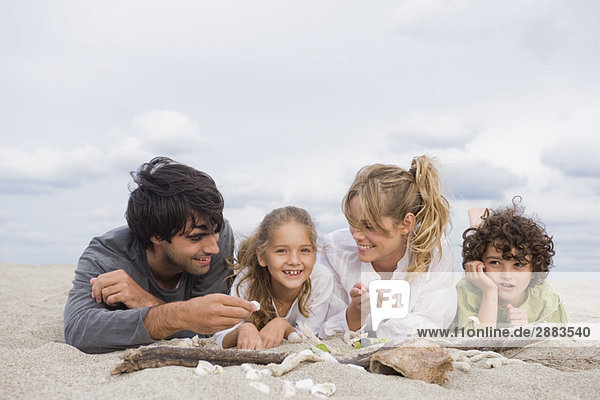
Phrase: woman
(398, 227)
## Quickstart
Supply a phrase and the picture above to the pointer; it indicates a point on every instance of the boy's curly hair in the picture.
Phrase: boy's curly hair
(515, 236)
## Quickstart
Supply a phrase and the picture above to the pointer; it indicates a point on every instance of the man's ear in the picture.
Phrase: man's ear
(261, 260)
(408, 223)
(154, 240)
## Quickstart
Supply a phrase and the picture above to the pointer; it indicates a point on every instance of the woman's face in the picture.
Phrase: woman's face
(381, 250)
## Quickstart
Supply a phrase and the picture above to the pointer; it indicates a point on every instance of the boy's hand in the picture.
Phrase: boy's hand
(249, 337)
(274, 331)
(475, 273)
(516, 316)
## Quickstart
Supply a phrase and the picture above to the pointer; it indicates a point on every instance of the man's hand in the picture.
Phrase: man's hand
(274, 331)
(206, 315)
(516, 316)
(118, 287)
(249, 337)
(474, 271)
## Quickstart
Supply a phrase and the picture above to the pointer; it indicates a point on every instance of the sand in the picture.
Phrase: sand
(35, 363)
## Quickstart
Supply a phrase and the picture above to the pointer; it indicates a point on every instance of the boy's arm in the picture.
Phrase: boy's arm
(488, 310)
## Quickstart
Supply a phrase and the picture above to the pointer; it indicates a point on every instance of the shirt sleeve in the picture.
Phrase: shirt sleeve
(321, 287)
(433, 300)
(552, 308)
(95, 327)
(335, 320)
(468, 303)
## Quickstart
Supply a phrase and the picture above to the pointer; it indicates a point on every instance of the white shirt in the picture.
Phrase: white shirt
(321, 286)
(432, 301)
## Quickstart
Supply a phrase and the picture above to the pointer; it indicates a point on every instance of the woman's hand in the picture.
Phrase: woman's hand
(359, 307)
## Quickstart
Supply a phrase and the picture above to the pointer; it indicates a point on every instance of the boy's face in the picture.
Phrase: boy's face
(511, 276)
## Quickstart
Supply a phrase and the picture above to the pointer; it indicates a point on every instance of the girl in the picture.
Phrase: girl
(276, 267)
(398, 224)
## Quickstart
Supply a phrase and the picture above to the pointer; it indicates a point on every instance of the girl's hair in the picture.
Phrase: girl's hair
(259, 280)
(514, 235)
(390, 191)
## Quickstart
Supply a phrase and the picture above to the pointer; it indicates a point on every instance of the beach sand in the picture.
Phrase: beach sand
(35, 363)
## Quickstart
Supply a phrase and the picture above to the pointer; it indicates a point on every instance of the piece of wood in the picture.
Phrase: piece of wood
(162, 356)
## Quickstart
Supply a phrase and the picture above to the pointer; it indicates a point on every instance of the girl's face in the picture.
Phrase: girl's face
(374, 247)
(290, 258)
(511, 276)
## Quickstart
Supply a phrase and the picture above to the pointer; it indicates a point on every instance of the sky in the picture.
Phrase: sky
(282, 103)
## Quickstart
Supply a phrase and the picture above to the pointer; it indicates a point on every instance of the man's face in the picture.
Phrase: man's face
(191, 251)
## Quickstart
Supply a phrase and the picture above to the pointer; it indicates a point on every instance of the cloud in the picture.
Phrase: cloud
(160, 132)
(478, 180)
(42, 170)
(576, 156)
(424, 132)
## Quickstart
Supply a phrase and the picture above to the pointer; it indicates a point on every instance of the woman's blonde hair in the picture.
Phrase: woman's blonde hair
(257, 277)
(390, 191)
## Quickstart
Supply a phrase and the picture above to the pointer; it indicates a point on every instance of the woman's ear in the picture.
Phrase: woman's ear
(408, 223)
(261, 259)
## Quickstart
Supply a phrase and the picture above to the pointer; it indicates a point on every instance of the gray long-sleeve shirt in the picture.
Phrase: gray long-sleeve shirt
(97, 328)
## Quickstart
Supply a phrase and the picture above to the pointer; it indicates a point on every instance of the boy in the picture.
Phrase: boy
(506, 259)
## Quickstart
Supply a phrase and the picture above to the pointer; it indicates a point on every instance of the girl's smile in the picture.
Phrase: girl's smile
(290, 258)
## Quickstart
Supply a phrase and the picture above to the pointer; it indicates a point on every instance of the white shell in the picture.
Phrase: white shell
(305, 384)
(294, 337)
(323, 390)
(205, 368)
(261, 387)
(256, 305)
(288, 390)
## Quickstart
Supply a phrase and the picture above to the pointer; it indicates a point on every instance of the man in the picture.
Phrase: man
(162, 275)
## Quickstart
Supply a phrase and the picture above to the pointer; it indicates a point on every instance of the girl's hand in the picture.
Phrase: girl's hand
(274, 331)
(516, 316)
(474, 271)
(249, 337)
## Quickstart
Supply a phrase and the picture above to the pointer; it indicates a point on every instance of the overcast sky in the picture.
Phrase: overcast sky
(282, 102)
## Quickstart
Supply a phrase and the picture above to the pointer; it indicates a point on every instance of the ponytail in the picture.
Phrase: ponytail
(433, 218)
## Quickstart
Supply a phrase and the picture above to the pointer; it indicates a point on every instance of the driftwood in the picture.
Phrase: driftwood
(162, 356)
(416, 360)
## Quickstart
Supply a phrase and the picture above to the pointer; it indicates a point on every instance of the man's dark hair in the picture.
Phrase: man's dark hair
(509, 230)
(170, 198)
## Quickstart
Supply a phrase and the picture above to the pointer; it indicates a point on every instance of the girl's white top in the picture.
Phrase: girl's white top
(432, 301)
(321, 286)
